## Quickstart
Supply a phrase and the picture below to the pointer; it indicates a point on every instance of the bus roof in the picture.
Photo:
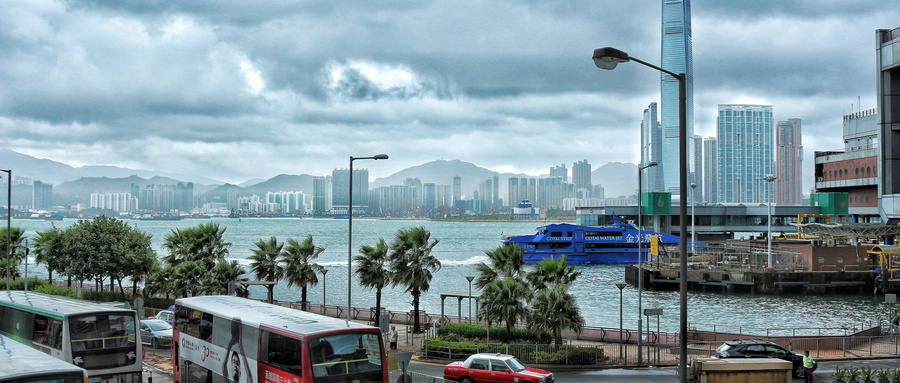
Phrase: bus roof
(254, 313)
(19, 361)
(52, 305)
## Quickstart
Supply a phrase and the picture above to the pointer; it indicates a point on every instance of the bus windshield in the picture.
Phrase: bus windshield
(103, 340)
(357, 354)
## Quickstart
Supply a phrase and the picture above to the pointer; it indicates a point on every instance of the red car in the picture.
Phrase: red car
(494, 368)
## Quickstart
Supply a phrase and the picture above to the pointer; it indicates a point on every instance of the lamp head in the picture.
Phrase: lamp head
(470, 277)
(608, 57)
(380, 157)
(620, 285)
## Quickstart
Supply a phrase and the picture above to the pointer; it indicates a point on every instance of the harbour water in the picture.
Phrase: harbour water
(462, 246)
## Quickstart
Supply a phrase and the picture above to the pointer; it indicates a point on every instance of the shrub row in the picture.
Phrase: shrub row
(528, 353)
(458, 331)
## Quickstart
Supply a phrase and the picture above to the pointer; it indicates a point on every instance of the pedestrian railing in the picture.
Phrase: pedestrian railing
(526, 353)
(414, 377)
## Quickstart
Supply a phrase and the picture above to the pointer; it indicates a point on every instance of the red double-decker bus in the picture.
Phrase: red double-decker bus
(231, 339)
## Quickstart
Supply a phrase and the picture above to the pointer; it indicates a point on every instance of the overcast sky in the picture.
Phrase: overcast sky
(240, 90)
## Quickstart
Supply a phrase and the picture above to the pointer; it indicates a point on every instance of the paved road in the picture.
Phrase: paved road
(617, 375)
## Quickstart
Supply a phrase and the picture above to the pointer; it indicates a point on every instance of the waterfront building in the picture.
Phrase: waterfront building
(551, 192)
(119, 202)
(322, 195)
(745, 153)
(512, 190)
(581, 178)
(394, 200)
(525, 210)
(710, 171)
(887, 59)
(165, 198)
(789, 160)
(853, 169)
(457, 190)
(651, 149)
(677, 57)
(231, 199)
(41, 196)
(286, 202)
(599, 192)
(429, 197)
(341, 190)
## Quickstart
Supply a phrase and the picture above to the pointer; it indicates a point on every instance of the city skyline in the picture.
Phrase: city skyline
(239, 94)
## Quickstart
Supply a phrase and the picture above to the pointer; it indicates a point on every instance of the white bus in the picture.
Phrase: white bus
(98, 338)
(22, 364)
(231, 339)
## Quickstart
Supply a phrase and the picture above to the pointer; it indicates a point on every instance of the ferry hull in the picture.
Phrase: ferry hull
(587, 258)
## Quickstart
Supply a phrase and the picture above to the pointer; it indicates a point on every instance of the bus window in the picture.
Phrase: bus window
(103, 340)
(195, 323)
(281, 352)
(48, 331)
(345, 354)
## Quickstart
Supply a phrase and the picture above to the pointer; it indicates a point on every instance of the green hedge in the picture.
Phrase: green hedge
(528, 353)
(498, 333)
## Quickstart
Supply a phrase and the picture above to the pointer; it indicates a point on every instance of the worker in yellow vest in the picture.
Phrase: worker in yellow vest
(809, 365)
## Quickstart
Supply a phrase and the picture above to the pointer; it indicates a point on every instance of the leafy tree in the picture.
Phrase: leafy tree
(505, 291)
(554, 310)
(299, 268)
(412, 264)
(103, 247)
(187, 278)
(264, 262)
(371, 269)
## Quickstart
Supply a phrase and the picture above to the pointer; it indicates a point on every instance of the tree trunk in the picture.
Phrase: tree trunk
(133, 287)
(378, 306)
(417, 328)
(271, 293)
(303, 298)
(121, 290)
(69, 281)
(50, 276)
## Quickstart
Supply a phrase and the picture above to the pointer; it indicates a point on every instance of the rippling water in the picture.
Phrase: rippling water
(462, 246)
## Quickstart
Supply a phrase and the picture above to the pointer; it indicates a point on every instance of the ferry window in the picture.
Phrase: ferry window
(48, 331)
(556, 234)
(281, 352)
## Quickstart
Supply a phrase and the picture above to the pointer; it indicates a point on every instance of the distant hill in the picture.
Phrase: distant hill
(55, 173)
(281, 182)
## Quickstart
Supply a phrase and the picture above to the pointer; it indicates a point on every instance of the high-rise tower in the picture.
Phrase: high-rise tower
(745, 153)
(677, 57)
(789, 156)
(581, 177)
(651, 149)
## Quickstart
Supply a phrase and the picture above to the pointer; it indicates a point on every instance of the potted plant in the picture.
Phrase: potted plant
(838, 374)
(867, 373)
(883, 375)
(895, 375)
(853, 374)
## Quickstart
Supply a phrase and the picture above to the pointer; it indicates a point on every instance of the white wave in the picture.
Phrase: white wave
(471, 261)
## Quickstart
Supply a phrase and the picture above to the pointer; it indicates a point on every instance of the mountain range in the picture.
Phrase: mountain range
(75, 184)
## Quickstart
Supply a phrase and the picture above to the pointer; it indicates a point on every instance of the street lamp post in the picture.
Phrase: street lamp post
(607, 58)
(769, 178)
(640, 253)
(470, 278)
(323, 271)
(350, 230)
(693, 216)
(621, 343)
(8, 216)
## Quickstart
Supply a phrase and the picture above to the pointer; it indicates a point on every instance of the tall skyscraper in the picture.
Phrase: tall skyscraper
(457, 189)
(512, 191)
(322, 195)
(710, 170)
(651, 149)
(340, 181)
(789, 157)
(745, 153)
(560, 171)
(677, 57)
(697, 193)
(581, 177)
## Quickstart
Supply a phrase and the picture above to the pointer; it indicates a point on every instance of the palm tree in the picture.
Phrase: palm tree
(204, 242)
(505, 291)
(552, 272)
(412, 264)
(505, 262)
(187, 278)
(48, 251)
(299, 268)
(371, 268)
(15, 248)
(224, 273)
(264, 265)
(554, 310)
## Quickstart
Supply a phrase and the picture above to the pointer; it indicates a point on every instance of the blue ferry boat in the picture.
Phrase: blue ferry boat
(615, 243)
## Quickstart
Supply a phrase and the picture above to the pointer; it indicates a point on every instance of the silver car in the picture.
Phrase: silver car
(156, 332)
